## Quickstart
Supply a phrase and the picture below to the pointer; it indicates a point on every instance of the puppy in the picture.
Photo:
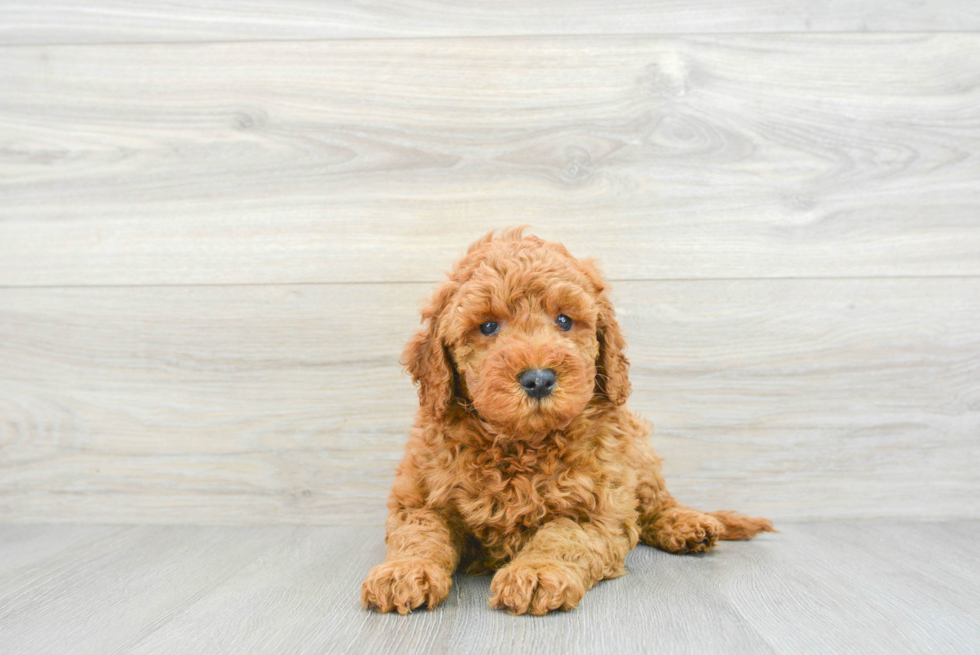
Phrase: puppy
(524, 460)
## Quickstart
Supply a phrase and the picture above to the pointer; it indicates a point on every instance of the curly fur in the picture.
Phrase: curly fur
(549, 494)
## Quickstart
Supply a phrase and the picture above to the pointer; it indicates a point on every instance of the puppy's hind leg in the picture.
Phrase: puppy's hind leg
(680, 529)
(668, 525)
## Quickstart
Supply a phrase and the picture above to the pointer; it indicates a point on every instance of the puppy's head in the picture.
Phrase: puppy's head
(523, 334)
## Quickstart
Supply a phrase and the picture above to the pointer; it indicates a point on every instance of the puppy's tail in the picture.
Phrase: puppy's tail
(739, 527)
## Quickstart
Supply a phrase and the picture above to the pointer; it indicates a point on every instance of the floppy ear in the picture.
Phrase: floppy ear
(426, 358)
(612, 367)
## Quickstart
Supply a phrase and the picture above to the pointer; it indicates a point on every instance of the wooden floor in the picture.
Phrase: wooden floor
(850, 587)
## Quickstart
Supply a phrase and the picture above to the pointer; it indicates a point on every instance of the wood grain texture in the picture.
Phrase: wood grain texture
(909, 601)
(120, 21)
(869, 587)
(285, 404)
(353, 161)
(136, 579)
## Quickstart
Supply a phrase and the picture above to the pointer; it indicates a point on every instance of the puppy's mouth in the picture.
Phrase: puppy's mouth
(515, 411)
(540, 405)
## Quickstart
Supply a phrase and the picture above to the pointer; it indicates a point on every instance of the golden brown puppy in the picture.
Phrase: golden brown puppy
(524, 459)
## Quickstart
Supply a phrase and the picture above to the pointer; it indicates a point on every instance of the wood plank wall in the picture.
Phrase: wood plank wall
(217, 222)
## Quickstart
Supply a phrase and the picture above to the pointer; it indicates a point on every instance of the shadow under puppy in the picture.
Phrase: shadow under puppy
(524, 459)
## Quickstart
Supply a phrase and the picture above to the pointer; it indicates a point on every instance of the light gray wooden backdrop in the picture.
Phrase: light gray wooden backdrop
(217, 221)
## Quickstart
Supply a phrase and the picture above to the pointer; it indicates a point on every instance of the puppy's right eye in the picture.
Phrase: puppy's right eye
(489, 328)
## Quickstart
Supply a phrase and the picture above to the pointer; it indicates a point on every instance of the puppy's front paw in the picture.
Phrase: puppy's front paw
(537, 587)
(405, 584)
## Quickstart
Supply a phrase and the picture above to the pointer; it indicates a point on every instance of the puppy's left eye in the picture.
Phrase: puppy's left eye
(563, 322)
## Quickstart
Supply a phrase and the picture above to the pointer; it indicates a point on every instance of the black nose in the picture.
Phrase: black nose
(537, 382)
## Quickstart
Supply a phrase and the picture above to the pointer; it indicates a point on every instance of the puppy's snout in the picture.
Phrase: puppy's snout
(538, 382)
